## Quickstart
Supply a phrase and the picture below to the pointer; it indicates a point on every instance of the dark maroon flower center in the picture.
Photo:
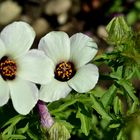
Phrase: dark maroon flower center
(8, 68)
(64, 71)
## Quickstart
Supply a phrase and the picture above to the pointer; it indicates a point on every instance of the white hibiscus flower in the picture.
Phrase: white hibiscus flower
(71, 70)
(20, 67)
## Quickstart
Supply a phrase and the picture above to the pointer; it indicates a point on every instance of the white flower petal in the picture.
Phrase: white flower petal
(2, 49)
(56, 45)
(85, 78)
(24, 95)
(82, 50)
(54, 91)
(18, 38)
(35, 66)
(4, 92)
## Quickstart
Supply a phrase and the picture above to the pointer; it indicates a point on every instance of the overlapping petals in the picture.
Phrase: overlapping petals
(24, 95)
(79, 49)
(15, 42)
(33, 69)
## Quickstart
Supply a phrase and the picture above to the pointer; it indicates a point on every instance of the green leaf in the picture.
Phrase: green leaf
(98, 91)
(117, 106)
(98, 106)
(129, 89)
(31, 135)
(108, 97)
(12, 123)
(117, 74)
(121, 135)
(64, 115)
(14, 120)
(20, 137)
(137, 70)
(14, 137)
(23, 130)
(83, 98)
(68, 102)
(63, 106)
(114, 125)
(9, 130)
(85, 119)
(134, 107)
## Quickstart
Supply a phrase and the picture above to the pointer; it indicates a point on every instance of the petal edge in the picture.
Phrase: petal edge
(17, 37)
(85, 79)
(54, 91)
(24, 95)
(83, 49)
